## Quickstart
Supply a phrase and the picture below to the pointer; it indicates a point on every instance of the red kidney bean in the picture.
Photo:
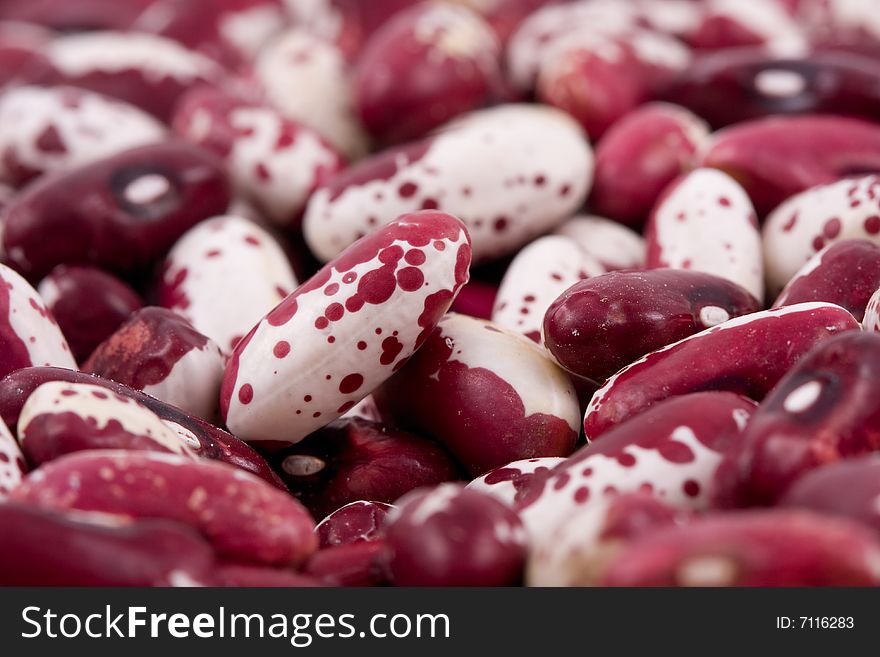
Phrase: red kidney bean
(12, 464)
(848, 489)
(640, 155)
(488, 395)
(79, 16)
(147, 71)
(160, 353)
(513, 481)
(274, 162)
(600, 325)
(451, 536)
(21, 46)
(577, 551)
(45, 548)
(29, 334)
(747, 355)
(244, 519)
(758, 154)
(603, 78)
(355, 564)
(60, 128)
(238, 575)
(613, 245)
(807, 222)
(758, 548)
(822, 411)
(230, 31)
(223, 275)
(307, 79)
(356, 522)
(356, 459)
(206, 440)
(732, 86)
(671, 451)
(476, 299)
(510, 173)
(705, 221)
(538, 274)
(120, 213)
(347, 329)
(729, 24)
(845, 273)
(88, 304)
(451, 46)
(60, 418)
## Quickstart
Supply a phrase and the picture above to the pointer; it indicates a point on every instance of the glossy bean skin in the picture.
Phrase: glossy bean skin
(536, 276)
(821, 412)
(356, 522)
(747, 355)
(52, 129)
(206, 440)
(160, 353)
(451, 536)
(89, 305)
(244, 518)
(640, 155)
(312, 358)
(29, 334)
(846, 273)
(758, 153)
(12, 464)
(757, 548)
(848, 489)
(351, 460)
(512, 482)
(600, 325)
(705, 221)
(754, 85)
(488, 395)
(98, 550)
(61, 418)
(615, 246)
(121, 213)
(807, 222)
(476, 299)
(671, 451)
(509, 173)
(274, 162)
(425, 66)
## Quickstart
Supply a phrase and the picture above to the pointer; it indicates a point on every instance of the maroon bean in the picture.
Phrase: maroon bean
(747, 355)
(88, 304)
(488, 395)
(121, 213)
(244, 518)
(450, 536)
(45, 548)
(476, 298)
(425, 66)
(757, 548)
(356, 459)
(355, 522)
(356, 564)
(600, 325)
(640, 155)
(758, 154)
(158, 352)
(849, 489)
(845, 273)
(205, 439)
(822, 411)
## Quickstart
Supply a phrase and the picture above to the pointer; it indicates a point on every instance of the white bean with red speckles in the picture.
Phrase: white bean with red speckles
(504, 483)
(534, 279)
(12, 465)
(614, 245)
(705, 222)
(871, 321)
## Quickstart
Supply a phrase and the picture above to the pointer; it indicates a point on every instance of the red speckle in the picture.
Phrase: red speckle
(561, 481)
(872, 225)
(281, 349)
(790, 223)
(50, 141)
(316, 414)
(331, 289)
(440, 246)
(322, 323)
(350, 383)
(524, 311)
(500, 224)
(262, 172)
(378, 331)
(280, 291)
(213, 253)
(334, 312)
(246, 394)
(391, 255)
(372, 221)
(283, 312)
(724, 202)
(97, 394)
(410, 279)
(407, 189)
(286, 137)
(581, 495)
(691, 488)
(626, 460)
(346, 407)
(361, 345)
(349, 277)
(529, 298)
(391, 348)
(307, 398)
(378, 285)
(676, 452)
(252, 240)
(680, 216)
(832, 228)
(609, 490)
(430, 204)
(415, 257)
(331, 339)
(564, 191)
(818, 243)
(540, 181)
(353, 304)
(466, 191)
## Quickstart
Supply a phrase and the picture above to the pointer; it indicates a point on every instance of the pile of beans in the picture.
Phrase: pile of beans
(446, 292)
